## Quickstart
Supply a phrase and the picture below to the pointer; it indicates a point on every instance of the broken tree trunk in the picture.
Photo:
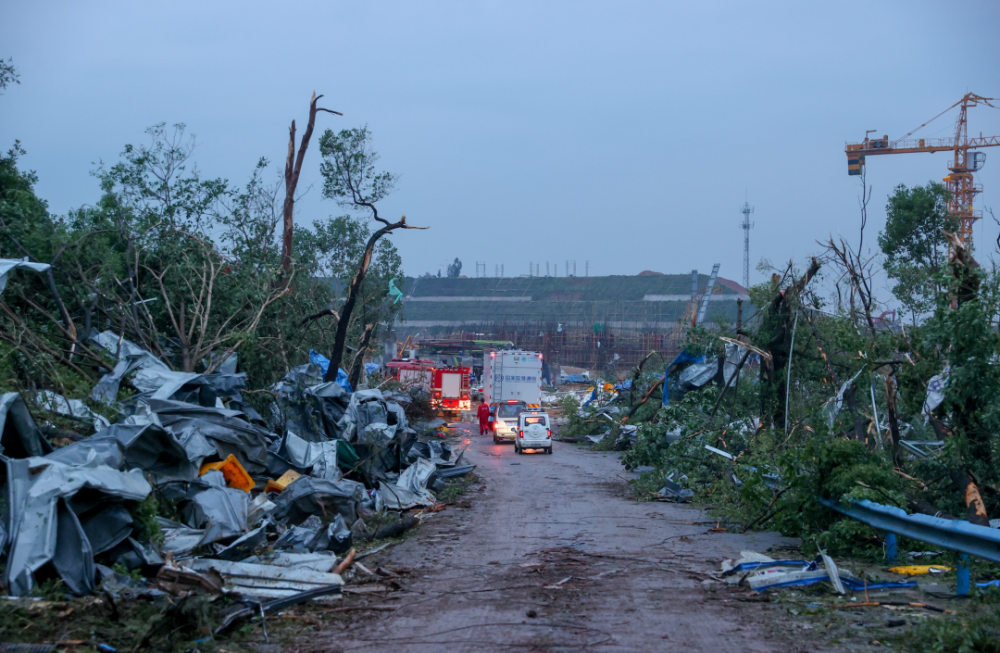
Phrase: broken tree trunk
(340, 338)
(892, 416)
(779, 316)
(293, 166)
(359, 359)
(973, 499)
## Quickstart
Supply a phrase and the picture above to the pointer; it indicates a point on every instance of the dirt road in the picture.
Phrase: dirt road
(551, 556)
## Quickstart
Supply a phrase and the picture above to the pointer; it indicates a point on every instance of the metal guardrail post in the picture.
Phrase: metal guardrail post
(891, 549)
(962, 579)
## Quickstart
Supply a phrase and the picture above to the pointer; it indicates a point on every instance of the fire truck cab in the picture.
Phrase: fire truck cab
(450, 388)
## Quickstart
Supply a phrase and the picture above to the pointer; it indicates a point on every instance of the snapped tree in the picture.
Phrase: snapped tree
(351, 180)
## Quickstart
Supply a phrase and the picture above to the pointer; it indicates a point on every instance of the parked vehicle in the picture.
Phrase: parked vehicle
(533, 432)
(450, 389)
(412, 372)
(504, 424)
(512, 375)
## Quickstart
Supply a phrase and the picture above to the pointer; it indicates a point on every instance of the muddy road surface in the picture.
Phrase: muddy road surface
(547, 553)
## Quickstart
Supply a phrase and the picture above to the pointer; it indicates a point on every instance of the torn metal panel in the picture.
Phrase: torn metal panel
(454, 472)
(178, 538)
(221, 511)
(72, 555)
(277, 603)
(154, 450)
(100, 449)
(322, 561)
(438, 453)
(313, 496)
(72, 408)
(35, 487)
(19, 435)
(319, 457)
(9, 264)
(225, 429)
(410, 490)
(107, 526)
(245, 546)
(264, 580)
(299, 539)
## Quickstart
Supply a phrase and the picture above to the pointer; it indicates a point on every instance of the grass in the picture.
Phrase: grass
(457, 487)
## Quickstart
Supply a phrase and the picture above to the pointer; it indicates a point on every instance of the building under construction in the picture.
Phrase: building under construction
(596, 323)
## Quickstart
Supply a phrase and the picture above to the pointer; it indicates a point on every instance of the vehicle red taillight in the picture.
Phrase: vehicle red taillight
(520, 434)
(548, 433)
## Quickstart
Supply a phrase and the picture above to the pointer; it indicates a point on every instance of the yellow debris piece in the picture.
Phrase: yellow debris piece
(231, 468)
(916, 570)
(279, 486)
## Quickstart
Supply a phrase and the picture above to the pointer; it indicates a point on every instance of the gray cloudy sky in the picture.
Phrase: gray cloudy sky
(623, 133)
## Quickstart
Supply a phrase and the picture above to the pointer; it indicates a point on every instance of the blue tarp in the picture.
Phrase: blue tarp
(683, 357)
(371, 368)
(317, 358)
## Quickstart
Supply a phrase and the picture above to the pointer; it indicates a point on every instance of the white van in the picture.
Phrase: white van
(533, 432)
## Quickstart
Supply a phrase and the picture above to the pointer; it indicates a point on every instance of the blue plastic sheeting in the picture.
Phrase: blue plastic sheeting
(849, 583)
(371, 368)
(750, 566)
(957, 535)
(624, 386)
(989, 583)
(317, 358)
(593, 395)
(683, 357)
(858, 585)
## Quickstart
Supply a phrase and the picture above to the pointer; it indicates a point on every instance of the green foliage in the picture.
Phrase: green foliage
(913, 243)
(348, 169)
(978, 632)
(455, 269)
(8, 74)
(144, 516)
(183, 265)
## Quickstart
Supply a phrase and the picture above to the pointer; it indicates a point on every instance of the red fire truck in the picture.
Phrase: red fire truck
(412, 372)
(450, 389)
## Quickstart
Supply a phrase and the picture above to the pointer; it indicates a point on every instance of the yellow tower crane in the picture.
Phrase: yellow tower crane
(959, 180)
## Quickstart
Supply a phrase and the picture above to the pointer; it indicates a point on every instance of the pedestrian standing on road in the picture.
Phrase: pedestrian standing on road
(483, 413)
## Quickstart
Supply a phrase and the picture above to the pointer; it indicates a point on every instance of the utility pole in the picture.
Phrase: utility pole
(746, 226)
(586, 268)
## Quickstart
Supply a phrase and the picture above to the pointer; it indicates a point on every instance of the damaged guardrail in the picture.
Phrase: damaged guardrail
(956, 535)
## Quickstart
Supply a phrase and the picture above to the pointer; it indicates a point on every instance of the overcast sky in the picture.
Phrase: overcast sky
(625, 134)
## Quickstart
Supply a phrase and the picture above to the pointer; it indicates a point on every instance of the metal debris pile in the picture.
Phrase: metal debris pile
(196, 492)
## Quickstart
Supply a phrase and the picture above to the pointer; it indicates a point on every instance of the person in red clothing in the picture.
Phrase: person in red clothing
(483, 413)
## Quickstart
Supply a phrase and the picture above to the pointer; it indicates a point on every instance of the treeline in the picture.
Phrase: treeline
(194, 268)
